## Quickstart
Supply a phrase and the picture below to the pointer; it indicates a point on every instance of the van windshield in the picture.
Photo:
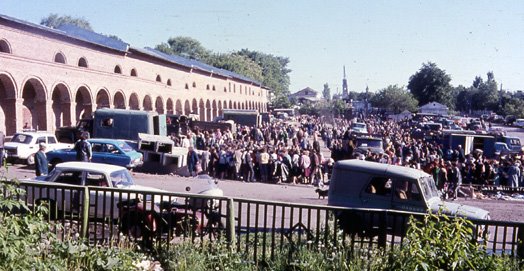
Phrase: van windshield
(428, 187)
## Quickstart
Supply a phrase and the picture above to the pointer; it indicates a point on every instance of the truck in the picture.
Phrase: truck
(115, 124)
(243, 117)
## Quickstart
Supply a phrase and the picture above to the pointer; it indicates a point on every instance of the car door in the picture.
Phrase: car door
(69, 199)
(407, 196)
(116, 156)
(101, 201)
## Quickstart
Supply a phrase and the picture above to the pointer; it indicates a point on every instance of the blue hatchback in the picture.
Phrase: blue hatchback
(106, 151)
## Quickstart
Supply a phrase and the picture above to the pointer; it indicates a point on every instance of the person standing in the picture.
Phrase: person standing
(41, 163)
(83, 148)
(192, 160)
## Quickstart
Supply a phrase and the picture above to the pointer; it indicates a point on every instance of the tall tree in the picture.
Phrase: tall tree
(394, 99)
(54, 20)
(326, 93)
(186, 47)
(431, 84)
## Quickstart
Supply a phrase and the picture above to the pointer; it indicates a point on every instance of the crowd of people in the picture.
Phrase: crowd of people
(290, 151)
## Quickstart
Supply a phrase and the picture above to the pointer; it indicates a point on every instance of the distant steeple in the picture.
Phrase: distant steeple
(345, 92)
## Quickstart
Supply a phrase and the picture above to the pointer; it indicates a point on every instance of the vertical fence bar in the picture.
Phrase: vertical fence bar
(85, 213)
(230, 224)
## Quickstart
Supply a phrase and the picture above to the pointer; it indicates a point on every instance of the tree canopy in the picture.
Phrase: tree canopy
(54, 20)
(394, 99)
(326, 92)
(431, 84)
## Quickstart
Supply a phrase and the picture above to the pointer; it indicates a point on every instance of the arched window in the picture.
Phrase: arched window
(5, 47)
(118, 69)
(214, 87)
(133, 72)
(187, 86)
(82, 62)
(60, 58)
(194, 84)
(158, 78)
(207, 87)
(225, 89)
(169, 82)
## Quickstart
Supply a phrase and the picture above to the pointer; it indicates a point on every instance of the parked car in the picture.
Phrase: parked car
(76, 175)
(106, 151)
(374, 145)
(519, 123)
(24, 145)
(359, 128)
(370, 185)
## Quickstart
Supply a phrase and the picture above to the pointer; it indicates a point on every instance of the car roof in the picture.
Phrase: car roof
(105, 168)
(35, 133)
(380, 169)
(105, 140)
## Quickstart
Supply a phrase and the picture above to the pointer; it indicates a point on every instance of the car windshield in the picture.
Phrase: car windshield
(369, 143)
(121, 178)
(21, 138)
(359, 125)
(428, 187)
(124, 146)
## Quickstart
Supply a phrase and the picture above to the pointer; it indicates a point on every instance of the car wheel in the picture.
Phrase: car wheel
(30, 160)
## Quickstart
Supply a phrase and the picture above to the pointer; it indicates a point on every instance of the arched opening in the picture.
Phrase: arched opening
(225, 89)
(7, 105)
(83, 107)
(169, 82)
(133, 73)
(60, 58)
(34, 105)
(134, 104)
(202, 110)
(194, 107)
(118, 69)
(102, 99)
(159, 105)
(5, 47)
(186, 87)
(119, 101)
(207, 87)
(220, 108)
(214, 88)
(169, 106)
(158, 78)
(178, 107)
(194, 84)
(82, 62)
(208, 111)
(215, 110)
(235, 105)
(147, 104)
(61, 106)
(187, 108)
(230, 105)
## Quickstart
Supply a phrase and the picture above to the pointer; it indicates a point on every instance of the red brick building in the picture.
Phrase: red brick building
(52, 77)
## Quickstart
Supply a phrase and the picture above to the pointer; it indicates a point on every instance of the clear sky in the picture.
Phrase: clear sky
(381, 43)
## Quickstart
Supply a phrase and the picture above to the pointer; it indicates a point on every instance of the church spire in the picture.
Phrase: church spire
(345, 92)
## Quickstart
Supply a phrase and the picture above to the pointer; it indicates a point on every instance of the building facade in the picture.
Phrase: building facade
(53, 77)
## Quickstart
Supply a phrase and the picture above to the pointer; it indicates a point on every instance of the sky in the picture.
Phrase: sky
(380, 43)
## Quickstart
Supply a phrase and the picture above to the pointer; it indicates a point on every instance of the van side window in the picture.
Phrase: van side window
(406, 190)
(379, 186)
(108, 122)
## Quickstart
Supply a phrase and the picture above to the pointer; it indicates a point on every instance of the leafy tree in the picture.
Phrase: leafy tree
(431, 84)
(54, 20)
(186, 47)
(513, 106)
(237, 63)
(326, 93)
(394, 99)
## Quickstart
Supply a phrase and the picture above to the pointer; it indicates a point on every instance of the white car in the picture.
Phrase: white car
(359, 128)
(74, 176)
(519, 123)
(24, 145)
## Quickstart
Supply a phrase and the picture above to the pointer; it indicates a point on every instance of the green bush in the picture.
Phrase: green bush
(28, 242)
(439, 242)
